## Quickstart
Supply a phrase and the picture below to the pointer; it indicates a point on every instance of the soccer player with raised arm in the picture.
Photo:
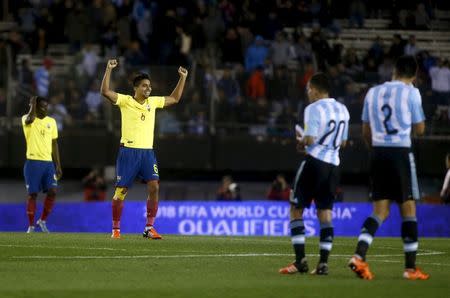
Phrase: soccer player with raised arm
(325, 132)
(41, 136)
(391, 112)
(136, 158)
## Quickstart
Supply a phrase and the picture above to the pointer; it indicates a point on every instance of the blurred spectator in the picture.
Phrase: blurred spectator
(279, 190)
(229, 85)
(303, 50)
(134, 56)
(376, 50)
(197, 125)
(411, 48)
(280, 50)
(213, 26)
(445, 191)
(440, 83)
(357, 13)
(168, 123)
(256, 54)
(94, 186)
(397, 47)
(143, 19)
(232, 47)
(256, 85)
(229, 190)
(42, 77)
(93, 100)
(385, 70)
(76, 25)
(320, 46)
(422, 19)
(90, 61)
(183, 45)
(26, 74)
(353, 66)
(57, 110)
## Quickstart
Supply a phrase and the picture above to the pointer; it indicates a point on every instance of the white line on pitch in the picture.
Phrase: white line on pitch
(63, 247)
(200, 256)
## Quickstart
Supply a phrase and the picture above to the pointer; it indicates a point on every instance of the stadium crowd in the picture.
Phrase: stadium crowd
(252, 58)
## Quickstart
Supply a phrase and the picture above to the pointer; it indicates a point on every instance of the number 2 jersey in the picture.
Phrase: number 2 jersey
(326, 120)
(391, 109)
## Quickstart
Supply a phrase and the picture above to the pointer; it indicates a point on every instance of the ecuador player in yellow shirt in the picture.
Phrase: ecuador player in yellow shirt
(136, 158)
(40, 174)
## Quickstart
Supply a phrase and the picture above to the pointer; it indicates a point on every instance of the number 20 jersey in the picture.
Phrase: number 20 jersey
(391, 109)
(326, 120)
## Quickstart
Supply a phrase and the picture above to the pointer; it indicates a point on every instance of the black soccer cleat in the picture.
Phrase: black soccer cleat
(321, 269)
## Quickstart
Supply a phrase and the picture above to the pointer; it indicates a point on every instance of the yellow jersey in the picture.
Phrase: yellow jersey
(39, 136)
(138, 120)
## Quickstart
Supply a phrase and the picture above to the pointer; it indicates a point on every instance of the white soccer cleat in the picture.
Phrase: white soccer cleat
(30, 229)
(43, 225)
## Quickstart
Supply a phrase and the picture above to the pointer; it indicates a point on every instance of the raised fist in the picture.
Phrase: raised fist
(112, 63)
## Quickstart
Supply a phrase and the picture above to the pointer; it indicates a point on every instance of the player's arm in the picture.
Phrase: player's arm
(56, 159)
(418, 129)
(417, 114)
(106, 92)
(175, 96)
(367, 134)
(32, 112)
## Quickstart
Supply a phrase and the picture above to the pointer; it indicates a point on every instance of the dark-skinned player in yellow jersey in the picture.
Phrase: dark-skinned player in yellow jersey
(136, 158)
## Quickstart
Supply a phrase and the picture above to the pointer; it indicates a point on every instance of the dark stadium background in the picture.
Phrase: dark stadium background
(241, 126)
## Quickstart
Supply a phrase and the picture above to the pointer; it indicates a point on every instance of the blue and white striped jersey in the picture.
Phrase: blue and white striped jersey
(327, 121)
(391, 109)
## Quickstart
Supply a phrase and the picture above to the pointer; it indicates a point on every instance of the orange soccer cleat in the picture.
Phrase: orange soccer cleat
(415, 274)
(294, 268)
(361, 268)
(151, 233)
(115, 234)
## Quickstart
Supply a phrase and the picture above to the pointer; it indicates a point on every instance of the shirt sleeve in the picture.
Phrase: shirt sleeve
(157, 102)
(55, 130)
(121, 99)
(312, 122)
(417, 114)
(365, 111)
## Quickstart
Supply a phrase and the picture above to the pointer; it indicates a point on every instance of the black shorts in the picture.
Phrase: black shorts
(315, 180)
(393, 174)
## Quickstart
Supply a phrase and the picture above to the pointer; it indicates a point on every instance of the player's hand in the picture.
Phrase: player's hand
(58, 173)
(182, 72)
(112, 63)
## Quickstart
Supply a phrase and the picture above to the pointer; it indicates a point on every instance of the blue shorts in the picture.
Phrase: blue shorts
(39, 175)
(135, 163)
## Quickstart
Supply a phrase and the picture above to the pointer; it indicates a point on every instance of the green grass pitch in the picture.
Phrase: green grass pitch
(92, 265)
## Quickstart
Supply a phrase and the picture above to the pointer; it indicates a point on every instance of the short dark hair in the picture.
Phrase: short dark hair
(406, 67)
(39, 99)
(139, 77)
(320, 82)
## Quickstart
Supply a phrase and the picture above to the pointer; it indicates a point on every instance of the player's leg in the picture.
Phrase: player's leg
(149, 172)
(409, 231)
(127, 168)
(329, 180)
(370, 227)
(31, 211)
(117, 207)
(32, 174)
(49, 184)
(152, 209)
(299, 200)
